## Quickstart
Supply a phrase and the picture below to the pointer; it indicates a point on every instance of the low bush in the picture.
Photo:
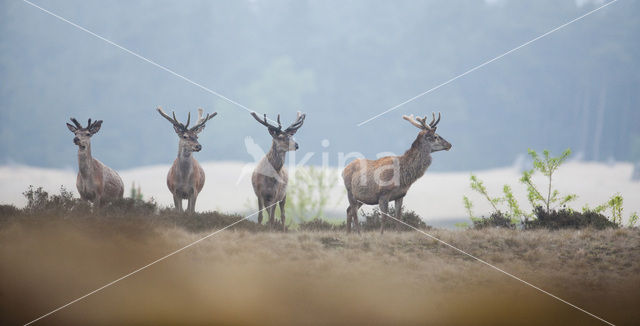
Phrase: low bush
(549, 207)
(568, 219)
(43, 207)
(371, 221)
(496, 220)
(41, 202)
(318, 224)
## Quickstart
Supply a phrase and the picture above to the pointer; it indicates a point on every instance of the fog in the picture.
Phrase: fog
(340, 62)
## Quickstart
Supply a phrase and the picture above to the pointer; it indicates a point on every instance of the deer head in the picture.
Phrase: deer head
(428, 131)
(83, 135)
(188, 136)
(283, 138)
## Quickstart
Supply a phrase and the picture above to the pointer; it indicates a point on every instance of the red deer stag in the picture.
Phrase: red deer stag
(186, 177)
(270, 178)
(96, 182)
(389, 178)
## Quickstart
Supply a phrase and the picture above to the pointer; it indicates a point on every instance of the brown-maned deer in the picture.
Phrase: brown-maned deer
(270, 178)
(389, 178)
(96, 182)
(186, 177)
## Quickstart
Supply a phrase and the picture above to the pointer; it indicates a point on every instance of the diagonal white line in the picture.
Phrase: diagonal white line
(498, 269)
(140, 57)
(483, 64)
(147, 265)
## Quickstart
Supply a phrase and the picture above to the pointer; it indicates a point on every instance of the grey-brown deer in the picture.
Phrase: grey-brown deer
(376, 182)
(186, 177)
(270, 177)
(96, 182)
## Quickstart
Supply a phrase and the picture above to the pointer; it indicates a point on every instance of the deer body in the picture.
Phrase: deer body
(95, 182)
(376, 182)
(186, 177)
(269, 181)
(270, 178)
(185, 180)
(409, 167)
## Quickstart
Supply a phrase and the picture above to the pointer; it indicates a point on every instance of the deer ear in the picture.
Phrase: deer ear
(72, 128)
(95, 127)
(177, 129)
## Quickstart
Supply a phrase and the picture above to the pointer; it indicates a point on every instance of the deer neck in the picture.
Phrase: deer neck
(85, 163)
(185, 160)
(276, 157)
(415, 161)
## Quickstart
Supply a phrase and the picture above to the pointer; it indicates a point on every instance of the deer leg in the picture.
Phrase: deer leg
(282, 217)
(349, 219)
(272, 215)
(177, 201)
(352, 213)
(97, 204)
(349, 212)
(191, 204)
(260, 208)
(398, 208)
(383, 204)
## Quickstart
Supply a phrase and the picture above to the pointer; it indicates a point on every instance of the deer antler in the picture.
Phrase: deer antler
(433, 124)
(293, 128)
(200, 112)
(422, 122)
(201, 121)
(173, 120)
(188, 120)
(266, 123)
(75, 122)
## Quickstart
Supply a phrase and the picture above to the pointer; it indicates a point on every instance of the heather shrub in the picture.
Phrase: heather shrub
(568, 219)
(496, 220)
(371, 221)
(318, 224)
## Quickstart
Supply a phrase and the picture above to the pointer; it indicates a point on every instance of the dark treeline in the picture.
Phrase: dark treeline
(341, 62)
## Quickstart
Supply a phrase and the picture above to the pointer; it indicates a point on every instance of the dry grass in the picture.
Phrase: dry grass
(240, 277)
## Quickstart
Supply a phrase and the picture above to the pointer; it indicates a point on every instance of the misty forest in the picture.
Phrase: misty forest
(341, 63)
(445, 162)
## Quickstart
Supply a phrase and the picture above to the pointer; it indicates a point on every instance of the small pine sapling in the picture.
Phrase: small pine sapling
(547, 165)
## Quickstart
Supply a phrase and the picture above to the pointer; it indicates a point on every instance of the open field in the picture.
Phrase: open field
(266, 278)
(437, 197)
